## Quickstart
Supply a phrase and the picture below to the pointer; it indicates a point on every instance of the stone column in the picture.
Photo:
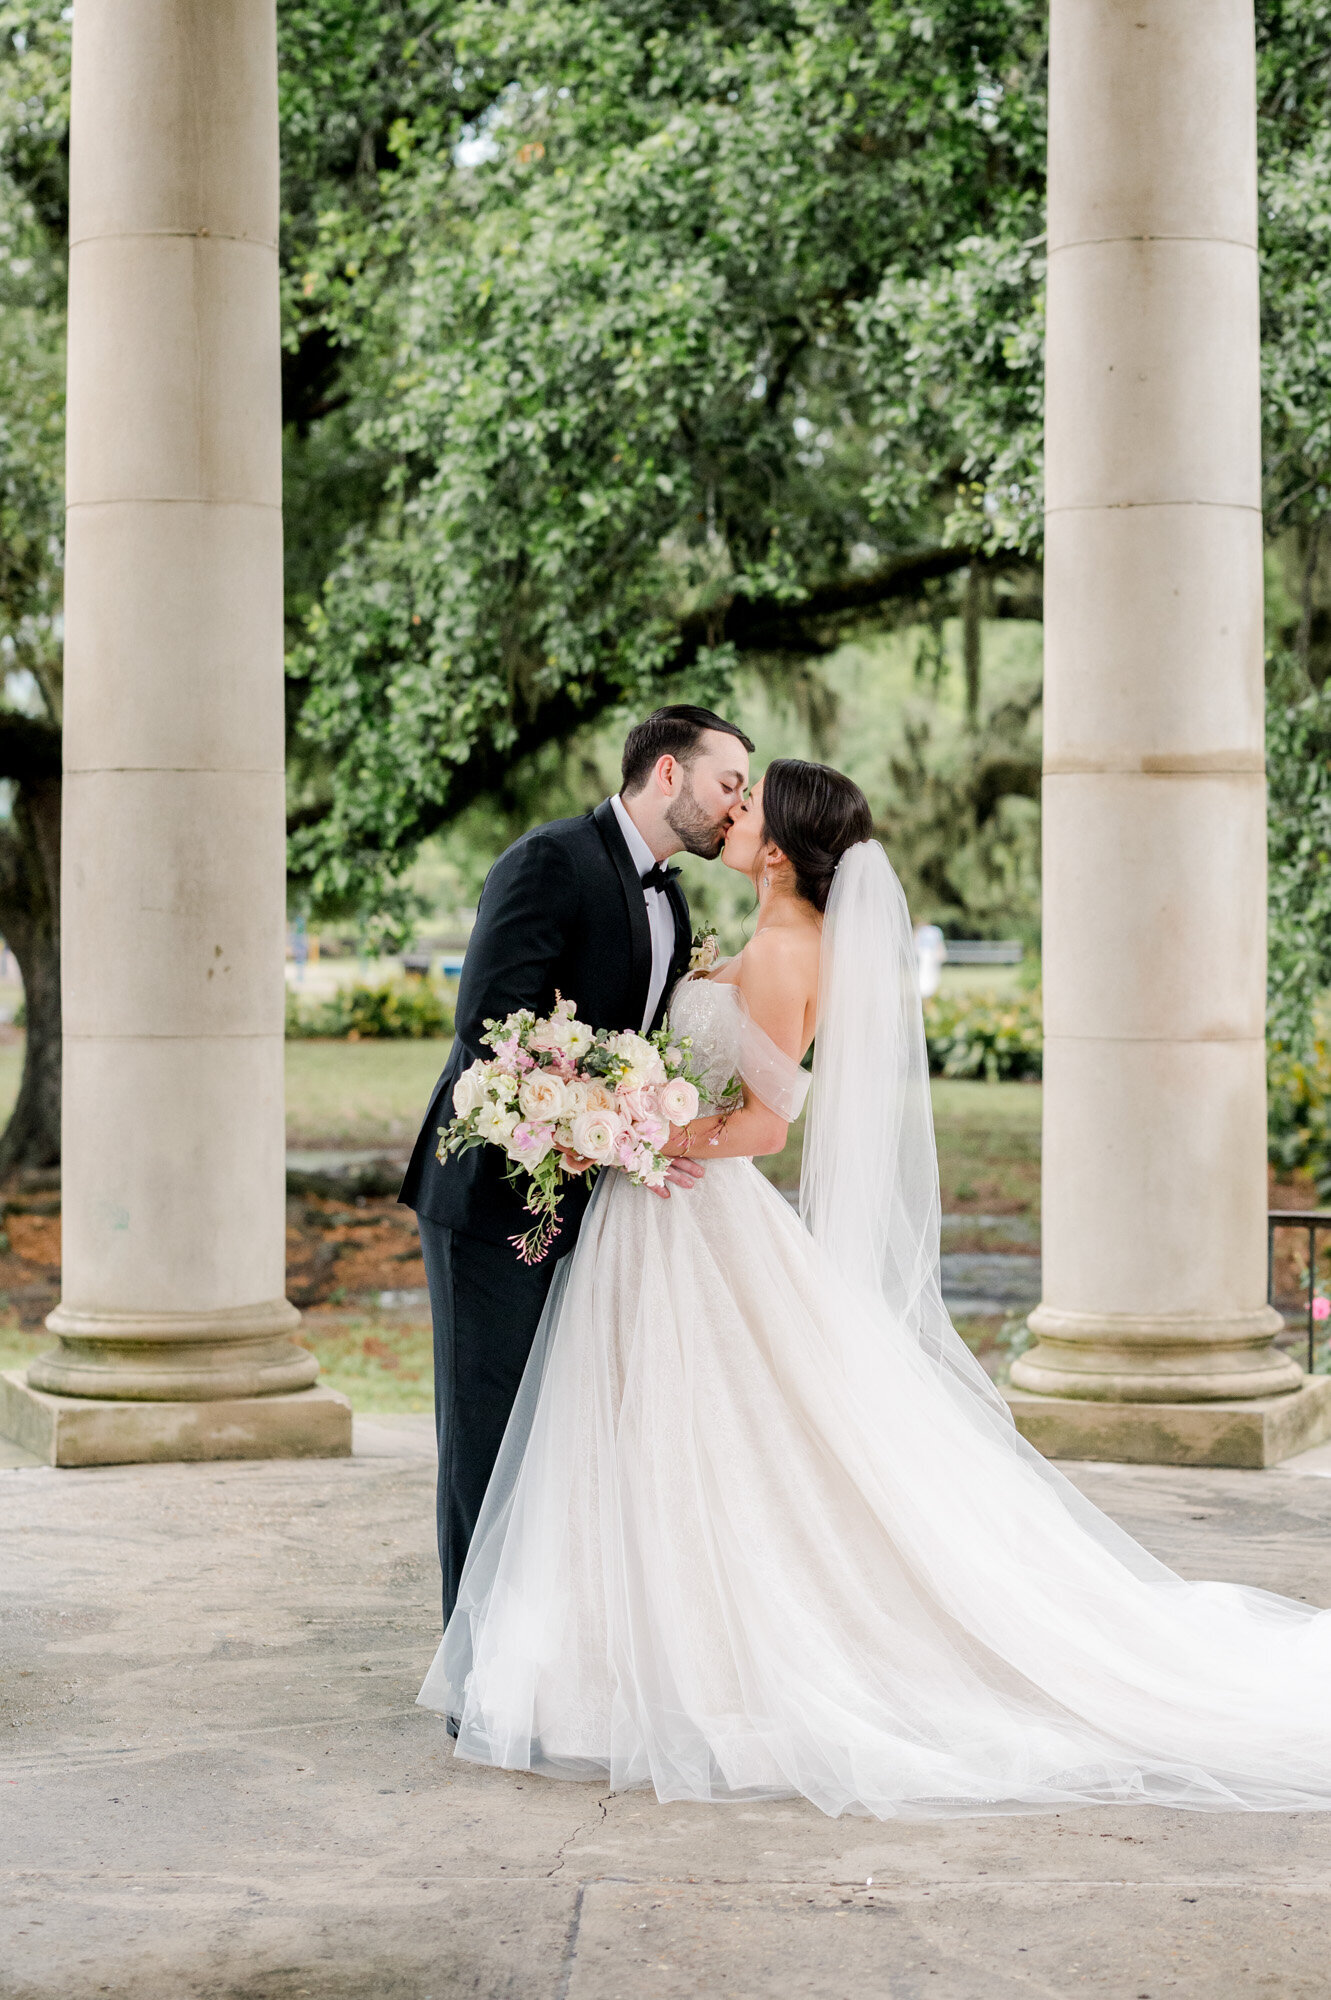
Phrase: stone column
(174, 1328)
(1154, 1200)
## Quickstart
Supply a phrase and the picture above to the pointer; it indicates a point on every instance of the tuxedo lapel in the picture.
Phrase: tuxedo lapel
(679, 963)
(679, 903)
(640, 935)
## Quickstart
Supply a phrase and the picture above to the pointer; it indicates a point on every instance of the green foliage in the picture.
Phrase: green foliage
(963, 824)
(33, 116)
(976, 324)
(409, 1010)
(1298, 1119)
(1298, 737)
(985, 1035)
(610, 347)
(1294, 139)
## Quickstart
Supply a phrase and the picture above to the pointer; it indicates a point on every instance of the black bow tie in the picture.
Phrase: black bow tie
(657, 877)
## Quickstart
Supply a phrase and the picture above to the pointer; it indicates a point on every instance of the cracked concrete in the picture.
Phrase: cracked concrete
(216, 1786)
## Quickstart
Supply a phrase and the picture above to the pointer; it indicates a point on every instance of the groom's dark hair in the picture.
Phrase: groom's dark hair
(670, 732)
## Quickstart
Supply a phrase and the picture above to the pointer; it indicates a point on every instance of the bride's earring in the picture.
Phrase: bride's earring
(766, 881)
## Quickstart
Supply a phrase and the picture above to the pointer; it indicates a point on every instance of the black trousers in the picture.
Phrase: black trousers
(486, 1305)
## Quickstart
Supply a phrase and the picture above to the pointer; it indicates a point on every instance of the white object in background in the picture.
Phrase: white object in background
(930, 951)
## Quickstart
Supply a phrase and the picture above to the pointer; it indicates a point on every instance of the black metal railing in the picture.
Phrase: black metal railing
(1312, 1220)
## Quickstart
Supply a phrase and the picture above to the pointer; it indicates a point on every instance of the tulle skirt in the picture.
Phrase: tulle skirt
(744, 1540)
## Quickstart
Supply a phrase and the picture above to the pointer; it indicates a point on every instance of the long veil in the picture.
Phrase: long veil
(869, 1191)
(869, 1180)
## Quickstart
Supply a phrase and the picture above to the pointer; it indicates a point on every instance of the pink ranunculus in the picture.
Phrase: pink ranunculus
(596, 1135)
(1321, 1308)
(679, 1100)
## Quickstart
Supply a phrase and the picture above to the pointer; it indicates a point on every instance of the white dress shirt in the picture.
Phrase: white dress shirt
(660, 916)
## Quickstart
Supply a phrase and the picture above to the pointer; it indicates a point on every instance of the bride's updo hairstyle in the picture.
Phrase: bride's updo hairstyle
(813, 814)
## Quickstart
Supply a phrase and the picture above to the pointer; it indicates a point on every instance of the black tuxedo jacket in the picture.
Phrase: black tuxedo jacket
(562, 911)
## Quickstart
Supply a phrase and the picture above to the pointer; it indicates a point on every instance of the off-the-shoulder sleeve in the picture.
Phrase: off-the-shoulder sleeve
(773, 1077)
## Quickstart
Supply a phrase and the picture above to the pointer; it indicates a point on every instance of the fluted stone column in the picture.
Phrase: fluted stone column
(1154, 1204)
(174, 1328)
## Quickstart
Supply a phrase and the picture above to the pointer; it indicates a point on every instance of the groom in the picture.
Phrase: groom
(585, 908)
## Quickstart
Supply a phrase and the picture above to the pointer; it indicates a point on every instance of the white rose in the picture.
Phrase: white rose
(496, 1124)
(678, 1100)
(600, 1097)
(555, 1034)
(577, 1098)
(594, 1135)
(469, 1090)
(541, 1097)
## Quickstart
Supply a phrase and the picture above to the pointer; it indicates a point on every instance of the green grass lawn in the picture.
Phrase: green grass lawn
(359, 1093)
(378, 1364)
(988, 1146)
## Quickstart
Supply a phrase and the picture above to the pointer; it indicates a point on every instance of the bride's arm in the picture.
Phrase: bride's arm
(778, 979)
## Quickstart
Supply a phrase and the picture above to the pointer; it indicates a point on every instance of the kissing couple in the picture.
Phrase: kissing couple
(726, 1506)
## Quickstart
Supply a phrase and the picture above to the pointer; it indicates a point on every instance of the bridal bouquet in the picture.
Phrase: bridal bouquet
(562, 1098)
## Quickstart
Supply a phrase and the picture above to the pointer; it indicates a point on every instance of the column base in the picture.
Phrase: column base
(76, 1430)
(1247, 1434)
(1171, 1358)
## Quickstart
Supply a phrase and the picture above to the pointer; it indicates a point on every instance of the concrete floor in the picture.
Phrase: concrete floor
(215, 1783)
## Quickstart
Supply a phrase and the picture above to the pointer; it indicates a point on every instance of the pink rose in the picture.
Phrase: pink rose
(1321, 1308)
(638, 1101)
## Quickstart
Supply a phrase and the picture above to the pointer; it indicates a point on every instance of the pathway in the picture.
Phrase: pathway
(218, 1787)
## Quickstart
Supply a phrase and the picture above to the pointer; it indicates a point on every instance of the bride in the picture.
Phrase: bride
(761, 1525)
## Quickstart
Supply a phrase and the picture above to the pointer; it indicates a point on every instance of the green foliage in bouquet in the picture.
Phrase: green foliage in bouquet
(983, 1035)
(396, 1011)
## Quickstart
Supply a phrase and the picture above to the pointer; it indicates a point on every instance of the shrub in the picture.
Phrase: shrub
(985, 1035)
(415, 1010)
(1298, 1112)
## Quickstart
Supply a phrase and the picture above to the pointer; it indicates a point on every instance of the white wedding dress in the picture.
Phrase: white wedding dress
(762, 1526)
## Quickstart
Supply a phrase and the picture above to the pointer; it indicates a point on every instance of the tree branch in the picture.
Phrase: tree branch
(809, 626)
(28, 748)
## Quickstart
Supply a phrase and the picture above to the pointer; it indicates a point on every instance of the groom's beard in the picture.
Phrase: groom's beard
(691, 826)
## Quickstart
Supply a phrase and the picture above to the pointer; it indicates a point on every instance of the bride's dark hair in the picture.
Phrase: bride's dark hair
(813, 814)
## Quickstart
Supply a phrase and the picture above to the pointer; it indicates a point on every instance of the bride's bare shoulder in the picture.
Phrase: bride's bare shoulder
(782, 954)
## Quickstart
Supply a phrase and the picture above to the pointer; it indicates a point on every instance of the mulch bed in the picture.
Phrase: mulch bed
(339, 1252)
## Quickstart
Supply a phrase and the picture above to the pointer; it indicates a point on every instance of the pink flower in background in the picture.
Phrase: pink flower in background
(1321, 1307)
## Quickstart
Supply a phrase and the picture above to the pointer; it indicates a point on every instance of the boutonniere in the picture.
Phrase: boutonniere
(706, 951)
